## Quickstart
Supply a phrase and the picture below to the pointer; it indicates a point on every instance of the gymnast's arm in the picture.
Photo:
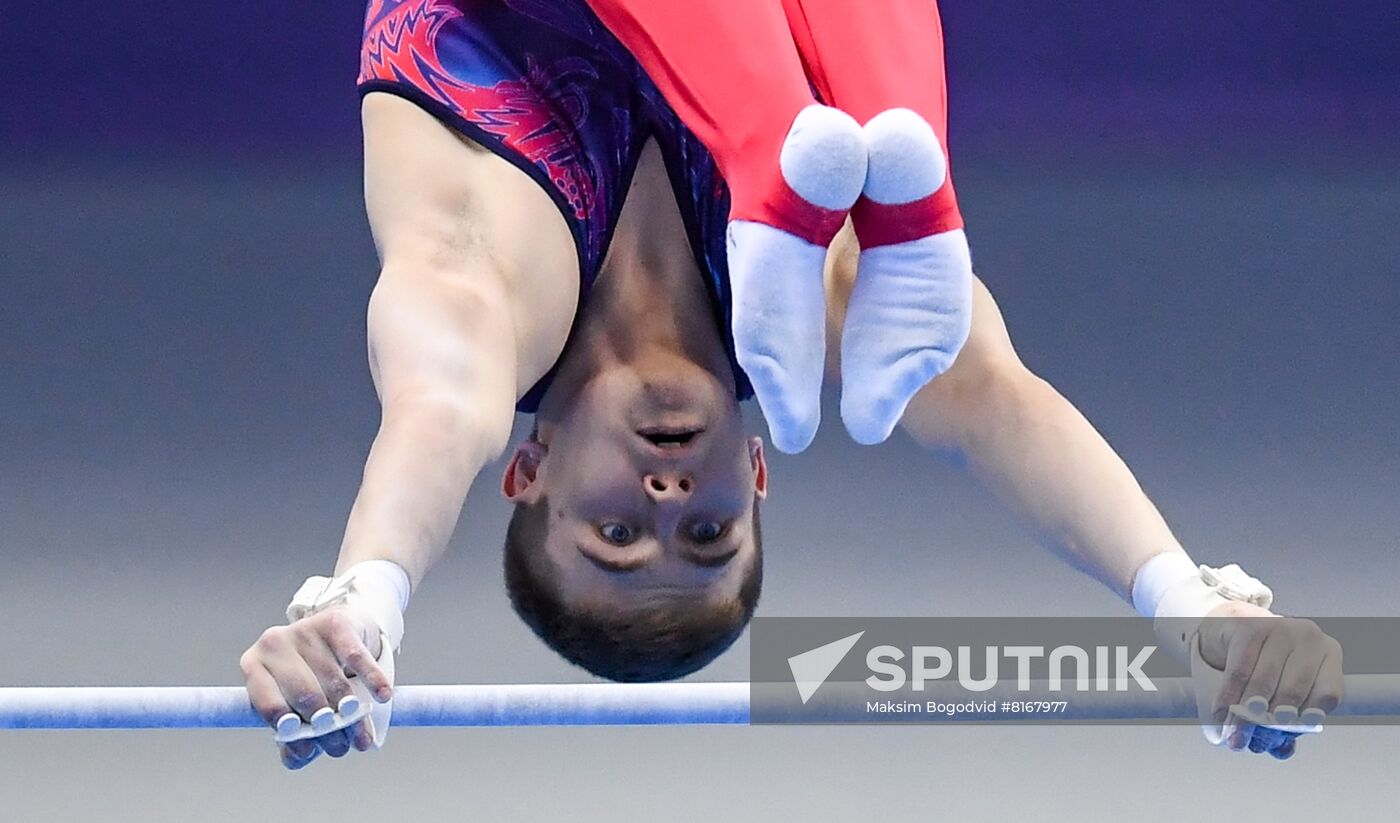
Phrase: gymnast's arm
(442, 355)
(473, 303)
(1027, 443)
(1046, 462)
(1039, 455)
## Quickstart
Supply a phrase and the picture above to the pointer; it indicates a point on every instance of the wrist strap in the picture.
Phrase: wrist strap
(1177, 594)
(379, 589)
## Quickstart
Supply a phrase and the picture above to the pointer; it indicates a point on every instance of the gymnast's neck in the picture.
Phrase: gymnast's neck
(649, 305)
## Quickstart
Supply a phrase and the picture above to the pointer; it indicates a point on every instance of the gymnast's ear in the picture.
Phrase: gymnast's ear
(760, 467)
(518, 483)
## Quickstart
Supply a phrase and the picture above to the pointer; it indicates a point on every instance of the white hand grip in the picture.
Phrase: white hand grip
(352, 709)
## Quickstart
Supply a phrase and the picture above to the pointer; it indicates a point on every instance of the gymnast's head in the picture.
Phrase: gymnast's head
(634, 548)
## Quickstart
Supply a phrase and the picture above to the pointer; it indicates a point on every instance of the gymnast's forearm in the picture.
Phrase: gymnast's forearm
(1049, 465)
(420, 468)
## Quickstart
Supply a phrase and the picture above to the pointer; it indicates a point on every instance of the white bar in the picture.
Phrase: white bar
(591, 704)
(565, 704)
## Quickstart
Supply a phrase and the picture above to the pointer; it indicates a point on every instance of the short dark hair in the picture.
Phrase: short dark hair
(659, 640)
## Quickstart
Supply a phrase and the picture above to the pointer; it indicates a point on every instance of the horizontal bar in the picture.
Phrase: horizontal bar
(226, 707)
(599, 704)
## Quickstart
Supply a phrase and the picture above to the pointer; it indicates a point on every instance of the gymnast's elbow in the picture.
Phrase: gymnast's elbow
(443, 364)
(979, 396)
(449, 424)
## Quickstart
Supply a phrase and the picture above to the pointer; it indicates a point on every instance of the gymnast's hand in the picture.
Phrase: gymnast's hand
(1279, 669)
(302, 668)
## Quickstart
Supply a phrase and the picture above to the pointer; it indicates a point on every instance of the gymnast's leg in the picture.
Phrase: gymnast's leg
(794, 168)
(910, 312)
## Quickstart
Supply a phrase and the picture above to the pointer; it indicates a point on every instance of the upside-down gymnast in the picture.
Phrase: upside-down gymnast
(553, 240)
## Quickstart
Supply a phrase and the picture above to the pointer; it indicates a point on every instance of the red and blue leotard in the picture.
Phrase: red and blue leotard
(544, 85)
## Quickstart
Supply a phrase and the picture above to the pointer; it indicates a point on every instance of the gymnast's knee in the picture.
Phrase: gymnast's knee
(978, 387)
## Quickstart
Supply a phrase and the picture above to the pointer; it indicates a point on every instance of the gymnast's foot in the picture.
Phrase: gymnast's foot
(911, 308)
(776, 276)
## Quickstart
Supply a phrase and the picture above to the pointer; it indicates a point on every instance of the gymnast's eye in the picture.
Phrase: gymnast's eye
(706, 531)
(615, 533)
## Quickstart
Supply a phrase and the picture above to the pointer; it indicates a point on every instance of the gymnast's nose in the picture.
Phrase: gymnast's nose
(668, 487)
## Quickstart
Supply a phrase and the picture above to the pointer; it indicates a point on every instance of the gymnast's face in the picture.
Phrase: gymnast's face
(651, 485)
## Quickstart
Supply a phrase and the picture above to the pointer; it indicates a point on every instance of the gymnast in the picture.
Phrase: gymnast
(554, 240)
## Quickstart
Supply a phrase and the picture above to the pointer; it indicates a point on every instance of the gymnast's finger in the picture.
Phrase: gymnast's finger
(330, 673)
(269, 703)
(299, 685)
(1258, 693)
(1266, 739)
(1246, 641)
(1329, 688)
(298, 754)
(1286, 749)
(1241, 733)
(1296, 681)
(336, 743)
(361, 737)
(348, 644)
(263, 692)
(331, 676)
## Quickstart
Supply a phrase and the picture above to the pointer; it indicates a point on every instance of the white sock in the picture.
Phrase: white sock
(779, 300)
(911, 307)
(904, 327)
(776, 278)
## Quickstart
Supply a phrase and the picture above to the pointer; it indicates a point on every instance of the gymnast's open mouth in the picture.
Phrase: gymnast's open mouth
(670, 439)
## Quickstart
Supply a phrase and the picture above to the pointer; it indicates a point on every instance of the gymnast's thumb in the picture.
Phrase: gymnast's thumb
(378, 718)
(1206, 681)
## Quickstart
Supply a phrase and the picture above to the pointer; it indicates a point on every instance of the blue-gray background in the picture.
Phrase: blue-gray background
(1188, 212)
